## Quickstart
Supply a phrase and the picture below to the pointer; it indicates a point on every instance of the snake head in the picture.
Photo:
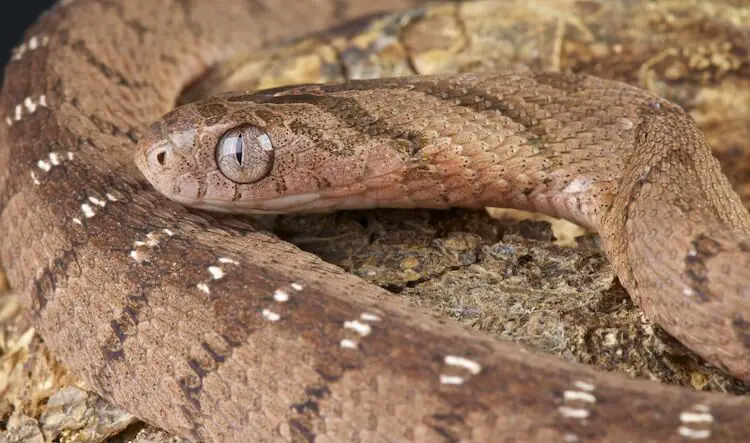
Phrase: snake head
(264, 153)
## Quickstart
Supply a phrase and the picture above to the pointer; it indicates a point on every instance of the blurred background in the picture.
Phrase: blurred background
(14, 19)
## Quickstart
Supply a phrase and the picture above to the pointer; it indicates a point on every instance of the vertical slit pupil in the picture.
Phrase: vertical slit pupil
(238, 149)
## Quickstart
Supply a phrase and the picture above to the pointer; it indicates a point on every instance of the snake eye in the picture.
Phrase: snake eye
(245, 154)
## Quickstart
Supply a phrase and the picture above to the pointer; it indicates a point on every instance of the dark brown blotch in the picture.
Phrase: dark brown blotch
(191, 387)
(450, 426)
(705, 246)
(301, 431)
(269, 117)
(112, 349)
(329, 371)
(309, 406)
(696, 266)
(198, 368)
(120, 330)
(741, 329)
(215, 355)
(44, 286)
(212, 113)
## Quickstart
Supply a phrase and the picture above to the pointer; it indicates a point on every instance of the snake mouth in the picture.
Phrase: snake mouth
(305, 202)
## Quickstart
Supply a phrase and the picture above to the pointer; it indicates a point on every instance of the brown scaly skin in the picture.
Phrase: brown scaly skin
(604, 154)
(223, 334)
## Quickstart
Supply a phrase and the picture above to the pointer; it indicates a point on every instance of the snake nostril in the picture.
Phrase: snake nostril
(158, 157)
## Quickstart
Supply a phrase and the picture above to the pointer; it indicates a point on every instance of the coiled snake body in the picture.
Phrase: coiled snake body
(275, 344)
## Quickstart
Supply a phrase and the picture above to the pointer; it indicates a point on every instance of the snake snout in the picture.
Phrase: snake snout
(163, 153)
(153, 156)
(160, 159)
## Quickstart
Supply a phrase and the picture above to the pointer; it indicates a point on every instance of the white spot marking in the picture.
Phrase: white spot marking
(451, 380)
(578, 395)
(688, 292)
(270, 315)
(44, 165)
(296, 286)
(584, 386)
(77, 221)
(228, 261)
(360, 328)
(203, 288)
(280, 296)
(55, 159)
(70, 155)
(701, 416)
(349, 344)
(136, 255)
(34, 43)
(153, 239)
(216, 272)
(9, 121)
(111, 197)
(696, 434)
(98, 202)
(169, 232)
(29, 104)
(569, 412)
(88, 212)
(470, 365)
(18, 52)
(35, 179)
(696, 417)
(369, 317)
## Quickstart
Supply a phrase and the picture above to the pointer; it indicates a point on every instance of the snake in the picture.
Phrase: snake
(217, 331)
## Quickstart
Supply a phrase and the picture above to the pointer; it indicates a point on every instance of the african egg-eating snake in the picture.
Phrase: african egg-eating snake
(226, 358)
